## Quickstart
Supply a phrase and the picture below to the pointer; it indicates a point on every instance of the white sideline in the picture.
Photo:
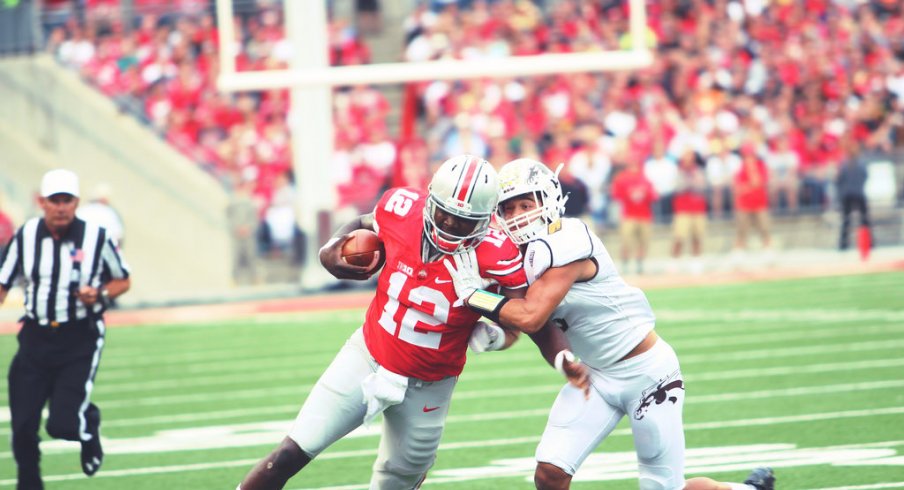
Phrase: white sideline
(443, 447)
(128, 356)
(290, 409)
(874, 486)
(549, 389)
(505, 415)
(686, 356)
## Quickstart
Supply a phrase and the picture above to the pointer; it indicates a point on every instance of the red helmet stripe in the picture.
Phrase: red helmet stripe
(466, 184)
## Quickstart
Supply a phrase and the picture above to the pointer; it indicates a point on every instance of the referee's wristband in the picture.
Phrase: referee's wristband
(487, 304)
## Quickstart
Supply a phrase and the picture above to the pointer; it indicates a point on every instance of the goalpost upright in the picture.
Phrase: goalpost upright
(311, 80)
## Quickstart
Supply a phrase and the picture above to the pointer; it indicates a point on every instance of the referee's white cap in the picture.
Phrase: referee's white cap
(59, 181)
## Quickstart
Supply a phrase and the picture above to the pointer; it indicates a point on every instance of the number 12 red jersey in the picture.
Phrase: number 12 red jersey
(413, 326)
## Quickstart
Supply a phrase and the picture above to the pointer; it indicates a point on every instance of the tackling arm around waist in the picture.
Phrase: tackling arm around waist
(541, 299)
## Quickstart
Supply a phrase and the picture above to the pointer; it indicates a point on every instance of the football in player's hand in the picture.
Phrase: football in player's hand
(360, 248)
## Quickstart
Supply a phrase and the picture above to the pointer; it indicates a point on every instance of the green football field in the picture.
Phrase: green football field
(804, 375)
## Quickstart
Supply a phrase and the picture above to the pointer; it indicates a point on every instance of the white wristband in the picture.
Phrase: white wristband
(561, 357)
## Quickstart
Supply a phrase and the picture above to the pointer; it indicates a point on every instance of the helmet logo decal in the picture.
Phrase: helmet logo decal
(532, 176)
(531, 179)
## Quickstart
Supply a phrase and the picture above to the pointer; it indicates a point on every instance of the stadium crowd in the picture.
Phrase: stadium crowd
(797, 87)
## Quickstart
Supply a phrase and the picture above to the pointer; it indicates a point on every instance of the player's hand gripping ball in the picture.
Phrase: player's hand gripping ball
(363, 248)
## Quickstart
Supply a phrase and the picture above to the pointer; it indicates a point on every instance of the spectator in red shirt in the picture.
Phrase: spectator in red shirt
(689, 206)
(412, 166)
(635, 193)
(751, 197)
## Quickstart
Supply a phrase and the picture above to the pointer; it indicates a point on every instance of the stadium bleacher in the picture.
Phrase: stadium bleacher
(800, 81)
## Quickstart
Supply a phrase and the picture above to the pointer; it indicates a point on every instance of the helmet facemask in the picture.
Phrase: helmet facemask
(464, 187)
(526, 178)
(449, 242)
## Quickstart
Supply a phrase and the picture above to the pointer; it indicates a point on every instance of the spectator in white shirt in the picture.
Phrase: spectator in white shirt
(783, 163)
(100, 212)
(720, 169)
(662, 170)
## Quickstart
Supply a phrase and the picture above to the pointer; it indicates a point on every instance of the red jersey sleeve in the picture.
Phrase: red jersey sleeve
(500, 259)
(394, 206)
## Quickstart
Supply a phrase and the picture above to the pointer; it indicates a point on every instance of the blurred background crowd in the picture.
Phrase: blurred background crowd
(751, 107)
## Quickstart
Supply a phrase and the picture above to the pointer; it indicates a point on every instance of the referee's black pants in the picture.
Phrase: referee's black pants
(56, 364)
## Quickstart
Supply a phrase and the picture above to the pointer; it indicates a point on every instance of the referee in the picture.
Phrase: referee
(60, 261)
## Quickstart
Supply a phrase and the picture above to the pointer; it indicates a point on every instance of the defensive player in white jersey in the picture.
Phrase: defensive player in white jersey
(405, 360)
(574, 286)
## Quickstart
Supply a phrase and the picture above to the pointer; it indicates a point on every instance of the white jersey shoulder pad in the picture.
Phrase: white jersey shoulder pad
(573, 242)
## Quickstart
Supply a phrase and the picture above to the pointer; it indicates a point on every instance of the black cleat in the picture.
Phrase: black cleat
(761, 478)
(92, 454)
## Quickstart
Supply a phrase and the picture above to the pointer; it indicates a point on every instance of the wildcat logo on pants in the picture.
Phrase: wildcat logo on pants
(659, 393)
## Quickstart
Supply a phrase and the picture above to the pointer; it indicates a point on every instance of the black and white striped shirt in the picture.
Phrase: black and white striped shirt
(54, 270)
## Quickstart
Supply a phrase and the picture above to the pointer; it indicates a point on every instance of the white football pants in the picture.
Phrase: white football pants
(411, 429)
(648, 389)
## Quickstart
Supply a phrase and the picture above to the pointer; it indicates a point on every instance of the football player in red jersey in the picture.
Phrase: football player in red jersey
(405, 360)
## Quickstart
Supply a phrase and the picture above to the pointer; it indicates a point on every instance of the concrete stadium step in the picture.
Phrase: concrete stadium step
(788, 232)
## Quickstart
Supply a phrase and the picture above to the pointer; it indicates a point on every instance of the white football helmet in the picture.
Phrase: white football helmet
(525, 176)
(464, 186)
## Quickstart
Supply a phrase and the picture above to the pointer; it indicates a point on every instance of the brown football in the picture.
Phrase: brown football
(360, 248)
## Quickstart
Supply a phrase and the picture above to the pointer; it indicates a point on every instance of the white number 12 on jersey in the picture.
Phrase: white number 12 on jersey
(411, 318)
(400, 202)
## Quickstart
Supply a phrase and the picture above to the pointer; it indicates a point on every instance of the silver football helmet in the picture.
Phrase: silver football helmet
(465, 187)
(530, 178)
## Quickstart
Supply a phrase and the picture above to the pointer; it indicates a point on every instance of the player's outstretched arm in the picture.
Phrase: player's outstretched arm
(331, 253)
(543, 296)
(511, 333)
(553, 346)
(528, 314)
(489, 336)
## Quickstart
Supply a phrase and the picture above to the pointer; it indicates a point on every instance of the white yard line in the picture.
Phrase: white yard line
(303, 389)
(451, 447)
(692, 400)
(776, 315)
(686, 358)
(238, 363)
(779, 338)
(795, 370)
(130, 357)
(874, 486)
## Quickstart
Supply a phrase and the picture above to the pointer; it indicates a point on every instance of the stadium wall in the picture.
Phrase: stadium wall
(176, 237)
